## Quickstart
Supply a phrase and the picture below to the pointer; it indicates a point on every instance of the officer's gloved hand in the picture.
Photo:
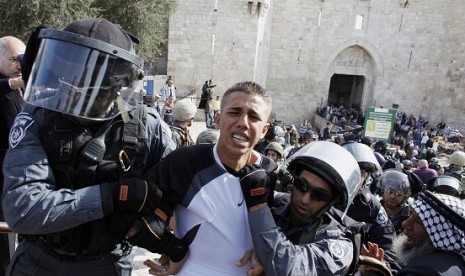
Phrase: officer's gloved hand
(130, 193)
(253, 180)
(151, 233)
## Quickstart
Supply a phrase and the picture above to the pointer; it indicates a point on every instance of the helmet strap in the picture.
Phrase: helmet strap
(122, 110)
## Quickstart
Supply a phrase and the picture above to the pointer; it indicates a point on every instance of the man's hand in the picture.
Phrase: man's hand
(371, 266)
(256, 268)
(16, 83)
(164, 265)
(373, 250)
(371, 261)
(253, 181)
(131, 193)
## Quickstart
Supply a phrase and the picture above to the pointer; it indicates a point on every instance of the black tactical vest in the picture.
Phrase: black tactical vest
(72, 161)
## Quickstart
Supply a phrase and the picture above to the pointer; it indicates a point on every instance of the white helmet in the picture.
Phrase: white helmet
(457, 158)
(332, 163)
(364, 156)
(395, 180)
(184, 110)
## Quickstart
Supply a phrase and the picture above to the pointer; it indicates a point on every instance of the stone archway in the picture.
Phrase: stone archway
(352, 77)
(346, 90)
(358, 64)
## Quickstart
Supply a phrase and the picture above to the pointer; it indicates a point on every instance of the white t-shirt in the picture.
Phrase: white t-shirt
(203, 192)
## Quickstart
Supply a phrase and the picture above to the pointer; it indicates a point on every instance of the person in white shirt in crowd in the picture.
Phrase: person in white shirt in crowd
(168, 90)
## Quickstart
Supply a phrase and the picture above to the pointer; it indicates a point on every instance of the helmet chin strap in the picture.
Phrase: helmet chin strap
(122, 110)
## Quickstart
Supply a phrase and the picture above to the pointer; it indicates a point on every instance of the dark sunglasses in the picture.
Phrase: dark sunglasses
(392, 191)
(317, 194)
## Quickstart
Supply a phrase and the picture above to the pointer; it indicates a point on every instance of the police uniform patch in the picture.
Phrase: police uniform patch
(382, 217)
(334, 233)
(22, 122)
(338, 250)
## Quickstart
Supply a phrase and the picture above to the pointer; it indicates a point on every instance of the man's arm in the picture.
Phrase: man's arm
(7, 84)
(279, 256)
(31, 201)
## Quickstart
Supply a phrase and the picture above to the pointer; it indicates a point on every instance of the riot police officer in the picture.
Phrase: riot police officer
(75, 150)
(395, 188)
(445, 184)
(307, 235)
(366, 207)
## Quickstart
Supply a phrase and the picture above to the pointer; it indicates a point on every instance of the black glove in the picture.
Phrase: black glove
(120, 222)
(130, 193)
(253, 180)
(153, 235)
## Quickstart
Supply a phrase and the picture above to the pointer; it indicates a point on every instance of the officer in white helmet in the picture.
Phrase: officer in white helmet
(184, 112)
(367, 208)
(304, 234)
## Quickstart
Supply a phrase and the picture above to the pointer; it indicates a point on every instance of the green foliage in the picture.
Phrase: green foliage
(19, 18)
(146, 19)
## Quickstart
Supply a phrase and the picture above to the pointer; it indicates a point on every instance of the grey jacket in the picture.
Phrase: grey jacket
(329, 252)
(32, 202)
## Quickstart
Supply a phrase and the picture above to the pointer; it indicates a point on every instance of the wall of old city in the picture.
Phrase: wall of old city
(411, 53)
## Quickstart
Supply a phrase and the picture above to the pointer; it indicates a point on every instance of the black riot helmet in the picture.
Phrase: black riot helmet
(407, 163)
(445, 185)
(381, 147)
(87, 70)
(310, 134)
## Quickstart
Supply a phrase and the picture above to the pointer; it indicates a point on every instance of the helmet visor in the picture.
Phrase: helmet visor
(397, 181)
(336, 162)
(82, 81)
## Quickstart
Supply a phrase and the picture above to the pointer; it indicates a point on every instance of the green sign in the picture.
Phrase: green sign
(379, 123)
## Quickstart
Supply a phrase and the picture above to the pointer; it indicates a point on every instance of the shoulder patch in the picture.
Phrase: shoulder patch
(339, 250)
(334, 233)
(382, 217)
(22, 122)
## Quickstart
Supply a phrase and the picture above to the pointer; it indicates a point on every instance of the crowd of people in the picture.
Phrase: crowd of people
(91, 171)
(395, 182)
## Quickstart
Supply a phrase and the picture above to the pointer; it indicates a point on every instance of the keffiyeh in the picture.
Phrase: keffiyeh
(442, 232)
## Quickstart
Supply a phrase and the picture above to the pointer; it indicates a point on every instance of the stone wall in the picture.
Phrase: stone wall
(410, 54)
